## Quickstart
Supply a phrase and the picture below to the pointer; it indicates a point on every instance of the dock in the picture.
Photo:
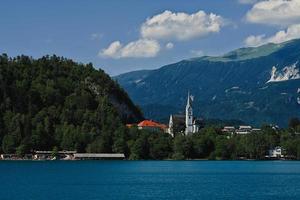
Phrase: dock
(99, 156)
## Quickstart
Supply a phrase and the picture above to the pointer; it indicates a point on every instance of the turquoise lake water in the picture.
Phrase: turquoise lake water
(95, 180)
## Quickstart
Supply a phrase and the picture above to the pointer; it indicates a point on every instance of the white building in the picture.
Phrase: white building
(277, 152)
(229, 129)
(176, 124)
(243, 130)
(184, 123)
(189, 128)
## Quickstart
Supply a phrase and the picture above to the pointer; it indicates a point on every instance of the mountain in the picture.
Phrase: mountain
(256, 85)
(56, 102)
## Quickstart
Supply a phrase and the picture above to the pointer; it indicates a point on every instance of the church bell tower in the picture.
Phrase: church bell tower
(189, 115)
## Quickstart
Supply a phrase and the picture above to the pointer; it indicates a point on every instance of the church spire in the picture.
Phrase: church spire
(190, 99)
(188, 103)
(189, 115)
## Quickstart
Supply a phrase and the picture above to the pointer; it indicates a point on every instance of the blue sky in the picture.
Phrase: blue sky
(119, 36)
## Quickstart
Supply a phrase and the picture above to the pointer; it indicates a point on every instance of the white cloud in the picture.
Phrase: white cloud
(275, 12)
(165, 26)
(140, 48)
(254, 40)
(113, 50)
(169, 45)
(247, 1)
(181, 26)
(292, 32)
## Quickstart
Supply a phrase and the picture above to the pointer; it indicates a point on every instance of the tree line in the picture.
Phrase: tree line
(54, 103)
(211, 143)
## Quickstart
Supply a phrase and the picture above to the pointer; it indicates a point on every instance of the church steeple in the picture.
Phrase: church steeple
(189, 115)
(188, 100)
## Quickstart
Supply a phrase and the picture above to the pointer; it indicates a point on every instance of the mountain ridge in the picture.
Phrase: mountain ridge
(209, 79)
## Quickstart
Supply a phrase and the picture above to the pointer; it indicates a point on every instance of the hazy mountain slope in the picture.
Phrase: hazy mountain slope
(238, 85)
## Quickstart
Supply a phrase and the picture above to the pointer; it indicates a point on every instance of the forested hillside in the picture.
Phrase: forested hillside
(53, 102)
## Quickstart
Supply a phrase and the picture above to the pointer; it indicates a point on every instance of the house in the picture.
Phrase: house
(276, 152)
(229, 129)
(151, 126)
(243, 130)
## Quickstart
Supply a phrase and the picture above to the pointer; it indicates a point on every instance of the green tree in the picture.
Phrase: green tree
(140, 148)
(21, 150)
(120, 141)
(9, 144)
(160, 146)
(183, 147)
(54, 153)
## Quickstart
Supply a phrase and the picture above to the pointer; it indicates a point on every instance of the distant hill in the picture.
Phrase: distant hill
(55, 102)
(256, 85)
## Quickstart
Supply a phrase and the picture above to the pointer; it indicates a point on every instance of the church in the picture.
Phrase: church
(185, 124)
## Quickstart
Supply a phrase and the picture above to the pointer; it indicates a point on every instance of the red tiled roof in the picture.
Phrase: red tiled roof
(163, 126)
(150, 123)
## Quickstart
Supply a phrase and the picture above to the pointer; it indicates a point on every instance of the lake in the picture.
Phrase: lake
(95, 180)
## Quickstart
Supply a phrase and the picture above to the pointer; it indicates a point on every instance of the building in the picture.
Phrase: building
(151, 126)
(242, 130)
(176, 124)
(8, 156)
(197, 125)
(229, 129)
(186, 124)
(277, 152)
(47, 155)
(189, 119)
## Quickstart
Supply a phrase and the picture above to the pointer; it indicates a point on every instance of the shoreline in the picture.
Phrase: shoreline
(70, 160)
